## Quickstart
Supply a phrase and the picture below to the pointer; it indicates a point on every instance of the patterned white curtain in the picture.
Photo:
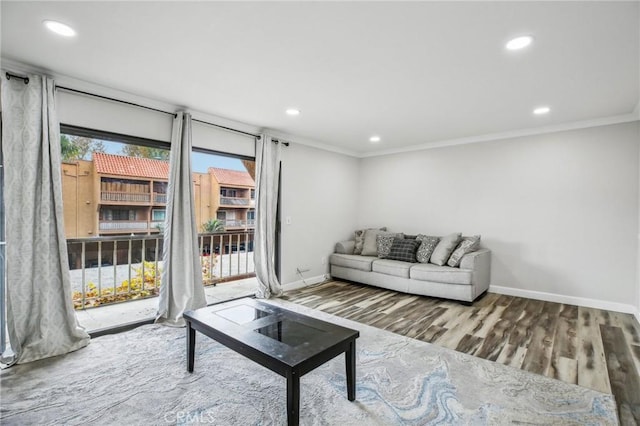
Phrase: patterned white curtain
(40, 318)
(267, 180)
(181, 288)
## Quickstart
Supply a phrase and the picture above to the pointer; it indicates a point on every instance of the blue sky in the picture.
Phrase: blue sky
(200, 161)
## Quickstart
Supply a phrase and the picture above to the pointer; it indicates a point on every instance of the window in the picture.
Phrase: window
(113, 177)
(158, 214)
(115, 189)
(226, 192)
(117, 214)
(253, 194)
(251, 215)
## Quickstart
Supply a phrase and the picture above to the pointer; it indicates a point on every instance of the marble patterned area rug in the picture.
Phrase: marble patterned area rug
(139, 378)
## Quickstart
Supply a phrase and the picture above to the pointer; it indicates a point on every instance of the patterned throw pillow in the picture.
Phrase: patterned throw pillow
(384, 243)
(360, 239)
(404, 250)
(370, 245)
(426, 248)
(468, 245)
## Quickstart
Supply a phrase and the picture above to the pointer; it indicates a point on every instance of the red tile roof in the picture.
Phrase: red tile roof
(121, 165)
(232, 177)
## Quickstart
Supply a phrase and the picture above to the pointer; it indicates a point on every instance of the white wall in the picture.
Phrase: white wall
(319, 195)
(559, 211)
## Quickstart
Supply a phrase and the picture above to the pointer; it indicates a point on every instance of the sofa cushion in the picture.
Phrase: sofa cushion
(353, 261)
(444, 248)
(467, 245)
(441, 274)
(391, 267)
(359, 239)
(370, 246)
(427, 246)
(404, 250)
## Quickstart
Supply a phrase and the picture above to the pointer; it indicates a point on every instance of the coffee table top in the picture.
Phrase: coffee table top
(286, 336)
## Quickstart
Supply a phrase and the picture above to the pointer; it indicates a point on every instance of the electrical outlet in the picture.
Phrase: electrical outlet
(287, 220)
(324, 260)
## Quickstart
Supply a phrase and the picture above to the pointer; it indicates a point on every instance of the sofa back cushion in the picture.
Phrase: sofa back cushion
(445, 247)
(427, 246)
(404, 250)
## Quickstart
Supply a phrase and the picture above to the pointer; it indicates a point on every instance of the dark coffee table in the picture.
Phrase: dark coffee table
(286, 342)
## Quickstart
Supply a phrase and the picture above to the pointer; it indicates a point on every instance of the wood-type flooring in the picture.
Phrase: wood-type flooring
(589, 347)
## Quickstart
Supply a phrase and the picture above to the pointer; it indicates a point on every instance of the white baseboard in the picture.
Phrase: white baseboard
(569, 300)
(307, 282)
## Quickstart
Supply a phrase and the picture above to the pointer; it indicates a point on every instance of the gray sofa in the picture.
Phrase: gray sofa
(464, 283)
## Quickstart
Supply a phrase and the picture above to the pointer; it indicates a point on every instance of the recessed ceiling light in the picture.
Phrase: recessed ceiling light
(541, 110)
(60, 28)
(519, 43)
(293, 111)
(374, 139)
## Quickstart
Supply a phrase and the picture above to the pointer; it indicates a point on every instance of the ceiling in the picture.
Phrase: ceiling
(413, 73)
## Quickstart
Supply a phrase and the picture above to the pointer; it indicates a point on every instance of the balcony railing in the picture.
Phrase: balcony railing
(132, 197)
(232, 223)
(235, 201)
(107, 270)
(125, 197)
(160, 198)
(123, 225)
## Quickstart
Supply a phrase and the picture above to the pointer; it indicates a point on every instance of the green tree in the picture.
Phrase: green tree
(145, 152)
(213, 225)
(68, 149)
(79, 147)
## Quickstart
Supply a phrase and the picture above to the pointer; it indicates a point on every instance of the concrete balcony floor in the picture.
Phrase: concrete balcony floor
(117, 314)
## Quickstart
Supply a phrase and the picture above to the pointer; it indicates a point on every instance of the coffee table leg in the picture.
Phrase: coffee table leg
(293, 399)
(350, 357)
(191, 346)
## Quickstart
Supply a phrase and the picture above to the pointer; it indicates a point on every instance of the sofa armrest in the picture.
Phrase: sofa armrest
(475, 258)
(480, 263)
(345, 247)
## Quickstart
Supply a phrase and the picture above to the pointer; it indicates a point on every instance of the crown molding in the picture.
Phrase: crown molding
(86, 86)
(311, 143)
(576, 125)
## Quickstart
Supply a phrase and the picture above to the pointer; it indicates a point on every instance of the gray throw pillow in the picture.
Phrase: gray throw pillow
(359, 234)
(370, 246)
(404, 250)
(444, 248)
(427, 246)
(467, 245)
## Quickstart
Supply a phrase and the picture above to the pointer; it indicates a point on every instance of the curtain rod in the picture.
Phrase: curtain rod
(227, 128)
(25, 79)
(145, 107)
(278, 141)
(114, 100)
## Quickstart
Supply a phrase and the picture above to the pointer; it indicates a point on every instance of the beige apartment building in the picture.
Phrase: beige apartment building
(120, 195)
